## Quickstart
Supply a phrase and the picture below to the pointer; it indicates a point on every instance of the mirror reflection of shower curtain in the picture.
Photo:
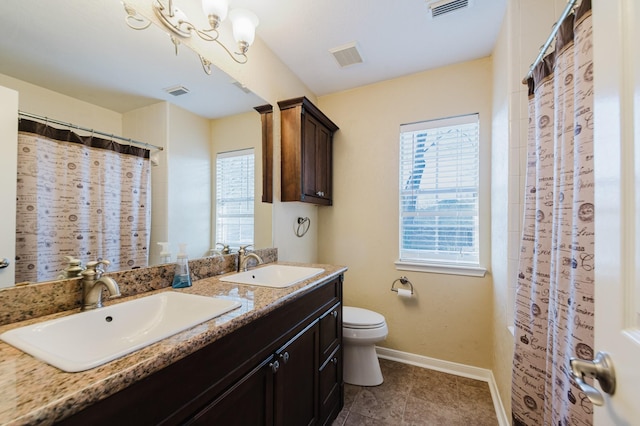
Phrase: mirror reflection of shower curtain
(79, 196)
(555, 293)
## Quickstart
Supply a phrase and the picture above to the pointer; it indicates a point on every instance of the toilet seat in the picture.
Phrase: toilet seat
(362, 319)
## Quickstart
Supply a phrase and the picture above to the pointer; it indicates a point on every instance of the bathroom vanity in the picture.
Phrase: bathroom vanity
(276, 360)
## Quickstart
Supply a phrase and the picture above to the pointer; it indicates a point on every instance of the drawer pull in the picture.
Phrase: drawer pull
(275, 365)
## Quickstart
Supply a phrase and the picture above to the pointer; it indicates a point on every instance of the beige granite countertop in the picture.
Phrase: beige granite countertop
(33, 392)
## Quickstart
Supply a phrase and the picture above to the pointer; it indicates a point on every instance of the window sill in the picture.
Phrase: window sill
(470, 271)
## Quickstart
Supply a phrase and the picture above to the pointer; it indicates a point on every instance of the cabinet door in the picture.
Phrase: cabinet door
(316, 159)
(247, 402)
(331, 387)
(323, 165)
(296, 382)
(330, 331)
(310, 129)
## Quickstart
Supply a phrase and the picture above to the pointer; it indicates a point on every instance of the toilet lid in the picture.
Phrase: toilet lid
(361, 318)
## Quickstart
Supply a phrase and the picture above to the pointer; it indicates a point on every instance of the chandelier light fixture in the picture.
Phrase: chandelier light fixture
(243, 22)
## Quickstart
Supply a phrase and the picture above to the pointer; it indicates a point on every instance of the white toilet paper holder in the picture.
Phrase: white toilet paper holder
(403, 281)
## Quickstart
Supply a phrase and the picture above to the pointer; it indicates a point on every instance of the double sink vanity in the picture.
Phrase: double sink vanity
(256, 347)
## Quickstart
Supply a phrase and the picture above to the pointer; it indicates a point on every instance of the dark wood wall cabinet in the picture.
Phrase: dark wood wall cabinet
(284, 368)
(306, 152)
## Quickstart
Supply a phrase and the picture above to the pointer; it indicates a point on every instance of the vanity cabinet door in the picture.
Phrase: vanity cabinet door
(330, 383)
(330, 331)
(331, 388)
(296, 382)
(248, 402)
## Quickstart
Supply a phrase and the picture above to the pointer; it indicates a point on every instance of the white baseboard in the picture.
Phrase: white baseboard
(450, 368)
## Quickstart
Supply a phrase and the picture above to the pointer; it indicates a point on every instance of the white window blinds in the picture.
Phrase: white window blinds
(235, 182)
(439, 178)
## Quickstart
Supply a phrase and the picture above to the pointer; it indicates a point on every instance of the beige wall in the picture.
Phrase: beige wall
(189, 181)
(180, 176)
(243, 131)
(450, 317)
(45, 102)
(150, 124)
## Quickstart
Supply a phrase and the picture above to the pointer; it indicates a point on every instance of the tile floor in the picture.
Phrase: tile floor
(417, 396)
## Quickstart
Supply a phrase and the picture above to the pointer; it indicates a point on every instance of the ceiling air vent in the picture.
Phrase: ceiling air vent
(177, 90)
(443, 7)
(346, 55)
(241, 86)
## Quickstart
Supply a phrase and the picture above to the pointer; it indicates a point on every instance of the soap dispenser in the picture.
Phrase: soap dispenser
(165, 254)
(73, 269)
(182, 278)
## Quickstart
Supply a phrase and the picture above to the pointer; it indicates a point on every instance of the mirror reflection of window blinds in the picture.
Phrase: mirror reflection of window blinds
(235, 184)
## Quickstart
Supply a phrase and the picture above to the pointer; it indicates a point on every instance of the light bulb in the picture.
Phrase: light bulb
(244, 25)
(217, 8)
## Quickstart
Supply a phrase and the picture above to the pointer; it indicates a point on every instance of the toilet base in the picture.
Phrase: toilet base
(361, 365)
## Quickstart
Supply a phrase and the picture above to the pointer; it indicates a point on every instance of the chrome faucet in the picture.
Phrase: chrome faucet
(93, 283)
(243, 258)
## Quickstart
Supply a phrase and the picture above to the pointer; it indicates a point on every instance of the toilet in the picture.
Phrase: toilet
(361, 330)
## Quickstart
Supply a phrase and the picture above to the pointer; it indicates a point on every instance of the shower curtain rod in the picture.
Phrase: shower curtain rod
(546, 45)
(73, 126)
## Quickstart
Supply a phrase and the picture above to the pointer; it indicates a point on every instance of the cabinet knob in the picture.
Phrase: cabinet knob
(284, 357)
(320, 194)
(4, 262)
(275, 365)
(335, 314)
(334, 360)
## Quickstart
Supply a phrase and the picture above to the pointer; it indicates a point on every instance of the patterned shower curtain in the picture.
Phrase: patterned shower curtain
(84, 197)
(555, 295)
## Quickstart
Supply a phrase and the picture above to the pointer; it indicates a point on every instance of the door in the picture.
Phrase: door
(617, 195)
(8, 172)
(309, 147)
(248, 402)
(296, 380)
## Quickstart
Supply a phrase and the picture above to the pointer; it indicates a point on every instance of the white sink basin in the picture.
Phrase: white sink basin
(279, 276)
(86, 340)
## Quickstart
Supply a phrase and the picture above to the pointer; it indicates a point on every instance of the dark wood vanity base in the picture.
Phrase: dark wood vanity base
(284, 368)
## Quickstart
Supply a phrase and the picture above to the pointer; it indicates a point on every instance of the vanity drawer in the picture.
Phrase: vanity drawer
(330, 331)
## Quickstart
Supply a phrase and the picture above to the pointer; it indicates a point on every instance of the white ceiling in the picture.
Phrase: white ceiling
(394, 37)
(84, 49)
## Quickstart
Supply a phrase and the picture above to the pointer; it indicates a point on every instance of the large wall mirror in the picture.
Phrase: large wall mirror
(78, 62)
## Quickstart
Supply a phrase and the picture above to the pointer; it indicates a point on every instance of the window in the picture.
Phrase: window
(439, 182)
(235, 182)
